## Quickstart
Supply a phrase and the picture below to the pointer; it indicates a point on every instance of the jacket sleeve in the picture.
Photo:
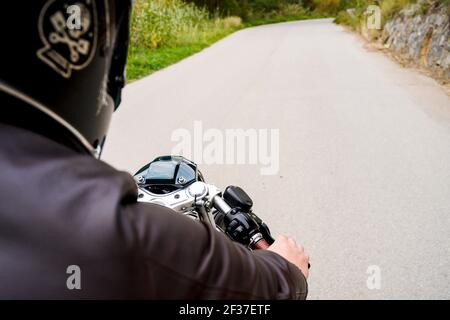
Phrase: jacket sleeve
(175, 257)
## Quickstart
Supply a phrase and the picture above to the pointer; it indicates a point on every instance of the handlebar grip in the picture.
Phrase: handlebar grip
(261, 244)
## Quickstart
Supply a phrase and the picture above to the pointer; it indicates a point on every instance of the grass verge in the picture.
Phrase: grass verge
(143, 61)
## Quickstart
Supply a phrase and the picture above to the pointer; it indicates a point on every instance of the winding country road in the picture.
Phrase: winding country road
(364, 150)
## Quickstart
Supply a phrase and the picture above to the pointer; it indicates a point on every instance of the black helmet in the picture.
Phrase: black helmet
(66, 59)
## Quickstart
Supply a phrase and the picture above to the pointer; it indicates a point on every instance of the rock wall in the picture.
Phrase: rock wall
(423, 36)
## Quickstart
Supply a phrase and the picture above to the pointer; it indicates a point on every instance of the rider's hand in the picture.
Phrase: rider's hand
(292, 252)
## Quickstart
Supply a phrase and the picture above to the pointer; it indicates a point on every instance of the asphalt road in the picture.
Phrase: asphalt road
(364, 150)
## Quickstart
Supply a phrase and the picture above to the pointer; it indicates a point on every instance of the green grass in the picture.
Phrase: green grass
(143, 61)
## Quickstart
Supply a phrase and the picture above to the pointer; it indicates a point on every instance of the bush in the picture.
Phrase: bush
(390, 7)
(326, 5)
(259, 9)
(159, 22)
(292, 10)
(351, 20)
(228, 22)
(266, 5)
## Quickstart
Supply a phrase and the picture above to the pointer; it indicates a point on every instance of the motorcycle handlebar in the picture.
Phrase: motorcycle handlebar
(220, 204)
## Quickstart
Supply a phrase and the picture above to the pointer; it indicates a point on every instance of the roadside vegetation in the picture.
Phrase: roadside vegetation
(166, 31)
(389, 8)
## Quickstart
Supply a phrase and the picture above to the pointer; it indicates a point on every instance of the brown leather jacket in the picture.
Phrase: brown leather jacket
(60, 208)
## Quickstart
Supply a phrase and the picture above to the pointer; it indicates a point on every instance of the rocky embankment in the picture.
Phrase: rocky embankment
(421, 34)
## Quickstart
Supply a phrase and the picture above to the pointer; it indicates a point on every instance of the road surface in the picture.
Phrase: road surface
(364, 150)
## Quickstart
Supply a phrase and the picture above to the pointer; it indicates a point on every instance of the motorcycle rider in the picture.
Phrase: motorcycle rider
(61, 207)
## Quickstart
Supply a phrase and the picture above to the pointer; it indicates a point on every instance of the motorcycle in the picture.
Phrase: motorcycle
(177, 183)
